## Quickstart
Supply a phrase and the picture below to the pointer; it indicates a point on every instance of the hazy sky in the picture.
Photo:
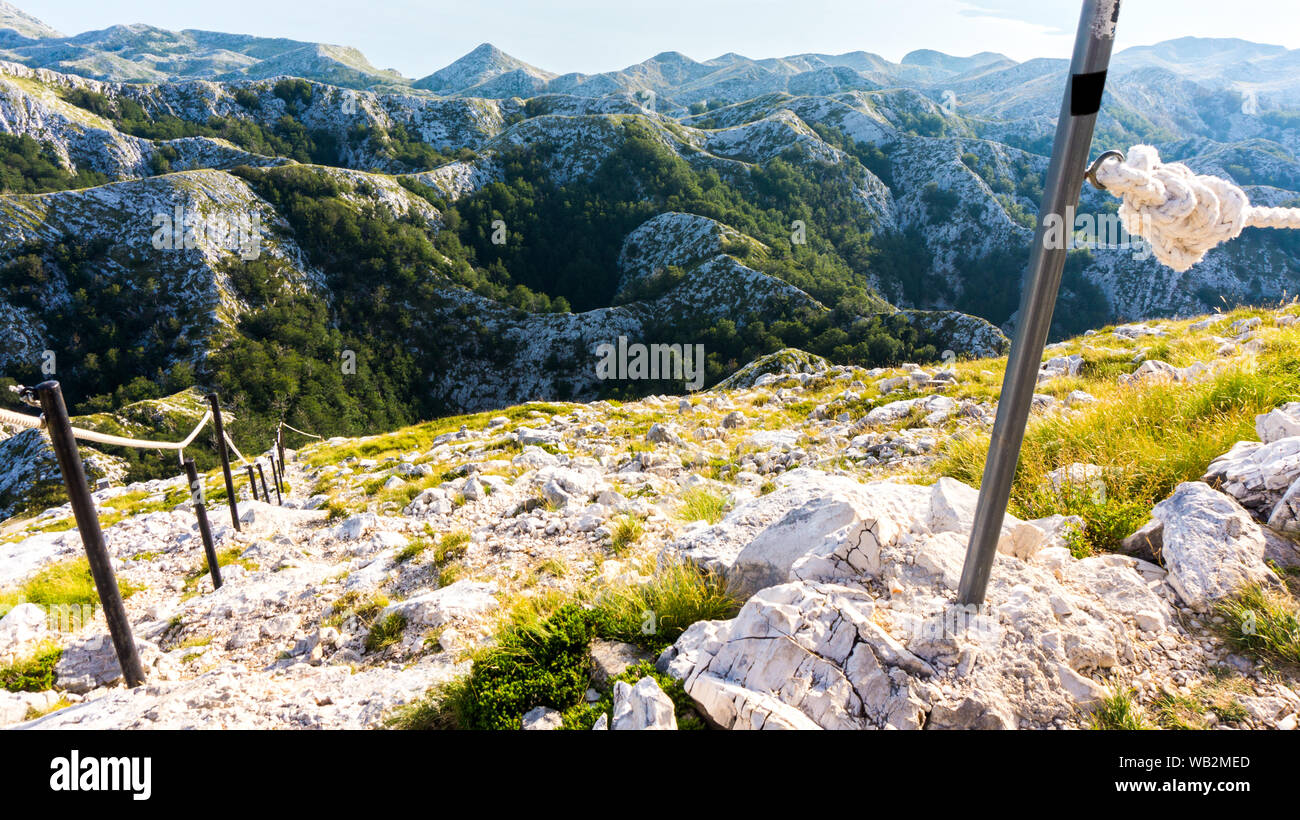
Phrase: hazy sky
(416, 37)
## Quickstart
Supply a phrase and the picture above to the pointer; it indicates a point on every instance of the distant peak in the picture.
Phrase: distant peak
(15, 19)
(484, 63)
(928, 57)
(671, 57)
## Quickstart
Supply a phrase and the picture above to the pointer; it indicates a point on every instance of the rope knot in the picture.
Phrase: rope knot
(1182, 214)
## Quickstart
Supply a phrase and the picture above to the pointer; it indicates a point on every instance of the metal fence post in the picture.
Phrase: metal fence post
(59, 428)
(279, 444)
(252, 482)
(220, 433)
(275, 479)
(266, 493)
(1065, 175)
(201, 513)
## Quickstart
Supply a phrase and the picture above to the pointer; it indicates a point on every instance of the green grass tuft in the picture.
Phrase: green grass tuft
(67, 583)
(655, 614)
(1119, 712)
(1264, 624)
(702, 504)
(627, 532)
(34, 673)
(385, 632)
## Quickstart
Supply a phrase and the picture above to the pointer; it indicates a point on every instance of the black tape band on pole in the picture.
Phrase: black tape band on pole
(1086, 91)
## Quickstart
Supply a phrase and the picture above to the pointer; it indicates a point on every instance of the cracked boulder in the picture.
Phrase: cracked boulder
(865, 632)
(1210, 545)
(1258, 475)
(1283, 422)
(643, 706)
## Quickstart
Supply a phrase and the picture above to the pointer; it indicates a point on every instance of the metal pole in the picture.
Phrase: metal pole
(279, 444)
(1065, 176)
(59, 428)
(275, 480)
(252, 482)
(265, 492)
(220, 432)
(201, 513)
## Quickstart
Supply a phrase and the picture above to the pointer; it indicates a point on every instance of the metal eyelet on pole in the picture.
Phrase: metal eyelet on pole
(1096, 165)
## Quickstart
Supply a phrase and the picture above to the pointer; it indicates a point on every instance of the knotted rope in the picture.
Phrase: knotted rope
(1182, 214)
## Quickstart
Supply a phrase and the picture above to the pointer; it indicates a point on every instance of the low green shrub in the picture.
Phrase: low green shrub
(34, 673)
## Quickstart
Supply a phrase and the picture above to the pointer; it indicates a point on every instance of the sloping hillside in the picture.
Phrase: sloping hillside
(408, 575)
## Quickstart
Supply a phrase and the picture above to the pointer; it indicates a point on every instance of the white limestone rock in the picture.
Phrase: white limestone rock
(22, 627)
(1286, 514)
(760, 541)
(1257, 475)
(859, 635)
(643, 706)
(442, 606)
(1282, 422)
(91, 662)
(1060, 366)
(1210, 545)
(542, 718)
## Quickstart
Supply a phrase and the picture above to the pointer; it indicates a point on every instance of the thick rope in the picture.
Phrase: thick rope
(1183, 215)
(21, 420)
(234, 449)
(303, 432)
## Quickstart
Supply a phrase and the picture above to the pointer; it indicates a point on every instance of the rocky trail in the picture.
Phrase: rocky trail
(821, 495)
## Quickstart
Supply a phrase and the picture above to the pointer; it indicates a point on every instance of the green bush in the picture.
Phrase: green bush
(30, 167)
(585, 715)
(546, 661)
(32, 674)
(537, 665)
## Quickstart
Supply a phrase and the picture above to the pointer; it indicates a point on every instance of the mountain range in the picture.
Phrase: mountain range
(470, 237)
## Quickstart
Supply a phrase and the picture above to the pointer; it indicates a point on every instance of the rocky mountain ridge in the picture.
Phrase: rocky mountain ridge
(822, 500)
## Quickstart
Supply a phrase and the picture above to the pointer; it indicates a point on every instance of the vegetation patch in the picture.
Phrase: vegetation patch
(1118, 711)
(34, 673)
(584, 715)
(542, 655)
(1263, 623)
(627, 532)
(1147, 441)
(67, 583)
(385, 632)
(702, 504)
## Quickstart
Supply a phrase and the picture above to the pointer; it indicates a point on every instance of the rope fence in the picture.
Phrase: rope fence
(57, 425)
(36, 422)
(16, 419)
(301, 432)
